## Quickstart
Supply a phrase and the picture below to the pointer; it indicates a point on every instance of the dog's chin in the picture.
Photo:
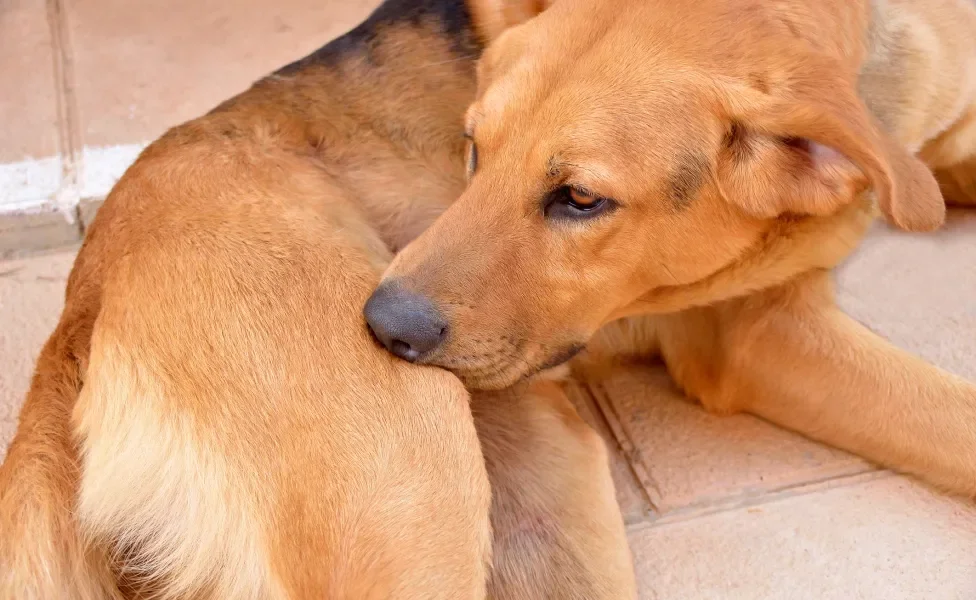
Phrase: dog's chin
(503, 376)
(492, 382)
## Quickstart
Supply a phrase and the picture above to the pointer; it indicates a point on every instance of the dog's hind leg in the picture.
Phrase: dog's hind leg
(558, 531)
(791, 356)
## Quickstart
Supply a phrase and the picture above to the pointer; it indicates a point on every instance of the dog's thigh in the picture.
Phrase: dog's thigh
(243, 438)
(792, 357)
(558, 532)
(217, 489)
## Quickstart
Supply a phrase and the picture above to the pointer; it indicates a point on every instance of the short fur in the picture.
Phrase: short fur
(211, 418)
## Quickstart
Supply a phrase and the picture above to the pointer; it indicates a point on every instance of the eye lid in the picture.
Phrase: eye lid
(584, 191)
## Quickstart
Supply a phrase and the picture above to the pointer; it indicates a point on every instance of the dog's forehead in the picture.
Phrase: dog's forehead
(585, 100)
(613, 67)
(506, 93)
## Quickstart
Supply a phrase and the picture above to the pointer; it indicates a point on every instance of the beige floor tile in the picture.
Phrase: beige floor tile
(31, 297)
(692, 460)
(919, 291)
(24, 234)
(28, 113)
(890, 539)
(142, 67)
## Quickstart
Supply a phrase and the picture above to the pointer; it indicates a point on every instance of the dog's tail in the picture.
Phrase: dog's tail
(42, 553)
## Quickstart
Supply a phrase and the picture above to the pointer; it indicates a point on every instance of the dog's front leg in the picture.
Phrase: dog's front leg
(791, 356)
(557, 528)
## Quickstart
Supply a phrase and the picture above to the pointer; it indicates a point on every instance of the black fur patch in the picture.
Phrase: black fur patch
(452, 16)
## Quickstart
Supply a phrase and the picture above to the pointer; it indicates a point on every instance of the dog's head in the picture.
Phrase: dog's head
(623, 148)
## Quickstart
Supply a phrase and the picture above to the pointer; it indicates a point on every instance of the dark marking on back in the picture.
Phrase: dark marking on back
(685, 181)
(452, 18)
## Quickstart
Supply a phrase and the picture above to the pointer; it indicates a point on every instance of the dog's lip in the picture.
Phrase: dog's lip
(560, 357)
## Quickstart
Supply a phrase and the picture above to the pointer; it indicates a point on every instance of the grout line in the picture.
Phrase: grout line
(787, 492)
(649, 489)
(610, 435)
(68, 196)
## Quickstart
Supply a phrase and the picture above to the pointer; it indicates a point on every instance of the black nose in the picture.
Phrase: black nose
(407, 323)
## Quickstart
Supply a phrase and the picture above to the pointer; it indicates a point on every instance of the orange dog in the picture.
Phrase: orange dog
(706, 162)
(211, 418)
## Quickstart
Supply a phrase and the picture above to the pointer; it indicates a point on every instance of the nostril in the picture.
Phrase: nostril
(403, 350)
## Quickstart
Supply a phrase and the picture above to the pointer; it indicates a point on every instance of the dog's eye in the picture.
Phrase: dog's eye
(568, 202)
(472, 165)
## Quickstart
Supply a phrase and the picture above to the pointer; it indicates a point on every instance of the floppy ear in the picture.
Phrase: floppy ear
(810, 148)
(493, 17)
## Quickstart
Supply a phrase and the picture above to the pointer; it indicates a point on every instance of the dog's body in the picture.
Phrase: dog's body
(211, 418)
(705, 163)
(238, 435)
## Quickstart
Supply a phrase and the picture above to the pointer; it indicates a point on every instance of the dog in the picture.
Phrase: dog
(677, 178)
(211, 417)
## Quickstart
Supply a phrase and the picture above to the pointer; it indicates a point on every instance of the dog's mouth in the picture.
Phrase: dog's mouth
(561, 357)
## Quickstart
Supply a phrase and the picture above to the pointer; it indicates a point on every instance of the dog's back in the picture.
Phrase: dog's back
(230, 407)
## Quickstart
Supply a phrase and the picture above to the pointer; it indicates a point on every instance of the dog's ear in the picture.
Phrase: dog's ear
(809, 147)
(493, 17)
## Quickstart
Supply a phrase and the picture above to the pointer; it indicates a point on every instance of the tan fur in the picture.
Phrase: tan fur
(748, 146)
(226, 449)
(211, 418)
(557, 527)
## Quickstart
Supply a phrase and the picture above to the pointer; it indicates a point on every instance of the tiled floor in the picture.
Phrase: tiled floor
(723, 508)
(97, 79)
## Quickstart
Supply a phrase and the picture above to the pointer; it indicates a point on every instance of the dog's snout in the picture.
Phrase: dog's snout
(408, 324)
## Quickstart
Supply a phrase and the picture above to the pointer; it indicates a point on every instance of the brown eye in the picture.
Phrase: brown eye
(582, 200)
(569, 202)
